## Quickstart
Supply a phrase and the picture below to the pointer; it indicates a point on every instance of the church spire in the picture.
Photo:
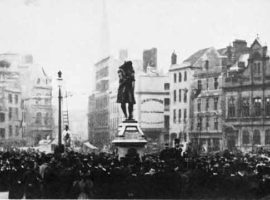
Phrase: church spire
(104, 33)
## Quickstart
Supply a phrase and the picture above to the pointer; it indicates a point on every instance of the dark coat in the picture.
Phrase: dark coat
(125, 90)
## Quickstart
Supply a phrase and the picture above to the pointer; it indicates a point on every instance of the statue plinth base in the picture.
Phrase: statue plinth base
(130, 136)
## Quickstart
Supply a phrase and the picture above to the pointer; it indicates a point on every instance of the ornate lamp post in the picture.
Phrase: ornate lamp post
(60, 110)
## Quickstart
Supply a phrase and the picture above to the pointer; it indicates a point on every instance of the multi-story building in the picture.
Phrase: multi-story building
(105, 74)
(206, 110)
(150, 105)
(181, 80)
(36, 97)
(10, 104)
(167, 106)
(247, 91)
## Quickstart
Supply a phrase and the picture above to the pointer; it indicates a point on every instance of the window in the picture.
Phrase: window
(267, 136)
(166, 101)
(267, 106)
(185, 95)
(2, 133)
(2, 117)
(207, 83)
(257, 106)
(166, 121)
(199, 123)
(180, 77)
(256, 137)
(47, 102)
(185, 114)
(10, 98)
(174, 116)
(38, 81)
(16, 99)
(10, 131)
(207, 123)
(179, 115)
(38, 118)
(185, 76)
(180, 95)
(216, 123)
(46, 119)
(166, 87)
(245, 107)
(245, 137)
(231, 107)
(199, 84)
(258, 68)
(199, 102)
(191, 124)
(207, 104)
(175, 77)
(216, 83)
(16, 113)
(9, 113)
(215, 103)
(17, 130)
(206, 64)
(174, 95)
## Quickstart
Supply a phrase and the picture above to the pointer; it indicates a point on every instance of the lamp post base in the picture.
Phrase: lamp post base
(59, 149)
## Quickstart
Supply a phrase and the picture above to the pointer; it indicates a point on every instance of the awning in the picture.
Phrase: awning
(89, 145)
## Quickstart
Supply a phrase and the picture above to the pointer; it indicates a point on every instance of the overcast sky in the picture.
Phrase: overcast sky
(66, 34)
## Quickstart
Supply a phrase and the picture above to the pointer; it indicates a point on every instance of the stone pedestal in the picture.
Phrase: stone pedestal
(130, 137)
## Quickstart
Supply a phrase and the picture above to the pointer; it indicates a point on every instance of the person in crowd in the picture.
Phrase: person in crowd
(169, 174)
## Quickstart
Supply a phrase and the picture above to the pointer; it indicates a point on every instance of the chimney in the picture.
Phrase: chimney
(173, 58)
(123, 55)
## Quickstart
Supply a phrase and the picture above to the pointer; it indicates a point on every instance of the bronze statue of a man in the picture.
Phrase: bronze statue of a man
(126, 88)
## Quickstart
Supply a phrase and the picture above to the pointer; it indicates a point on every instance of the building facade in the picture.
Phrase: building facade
(10, 104)
(105, 74)
(207, 100)
(247, 92)
(36, 97)
(149, 110)
(181, 80)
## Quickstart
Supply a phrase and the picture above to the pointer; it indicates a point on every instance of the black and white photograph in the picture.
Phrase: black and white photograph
(135, 99)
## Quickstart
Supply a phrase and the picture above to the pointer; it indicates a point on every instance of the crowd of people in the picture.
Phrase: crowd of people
(168, 174)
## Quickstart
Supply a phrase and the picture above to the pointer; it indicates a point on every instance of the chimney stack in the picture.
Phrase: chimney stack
(173, 58)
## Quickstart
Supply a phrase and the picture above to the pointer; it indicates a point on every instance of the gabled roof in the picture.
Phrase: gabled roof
(195, 57)
(256, 41)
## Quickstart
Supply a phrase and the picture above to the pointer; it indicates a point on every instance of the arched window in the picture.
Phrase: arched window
(267, 136)
(245, 137)
(180, 77)
(256, 137)
(245, 107)
(231, 107)
(257, 106)
(38, 118)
